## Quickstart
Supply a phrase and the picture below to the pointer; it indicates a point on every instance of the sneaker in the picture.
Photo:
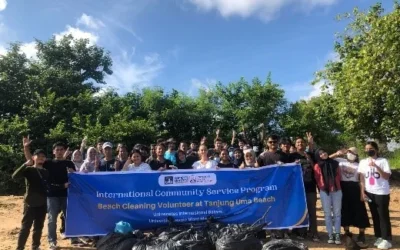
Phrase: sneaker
(331, 239)
(361, 238)
(378, 241)
(337, 239)
(53, 246)
(385, 245)
(315, 238)
(63, 236)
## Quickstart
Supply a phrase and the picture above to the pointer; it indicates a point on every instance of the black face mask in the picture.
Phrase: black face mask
(371, 152)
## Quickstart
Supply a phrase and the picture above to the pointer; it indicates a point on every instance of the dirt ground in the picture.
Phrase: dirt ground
(11, 211)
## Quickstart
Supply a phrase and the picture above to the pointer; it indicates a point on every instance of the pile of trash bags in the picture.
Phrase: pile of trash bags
(210, 236)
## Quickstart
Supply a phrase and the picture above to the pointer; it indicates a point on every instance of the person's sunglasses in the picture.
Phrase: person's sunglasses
(272, 142)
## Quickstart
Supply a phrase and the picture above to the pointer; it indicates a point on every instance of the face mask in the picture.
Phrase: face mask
(351, 157)
(255, 149)
(371, 152)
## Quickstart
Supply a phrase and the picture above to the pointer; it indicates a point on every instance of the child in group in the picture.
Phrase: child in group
(35, 205)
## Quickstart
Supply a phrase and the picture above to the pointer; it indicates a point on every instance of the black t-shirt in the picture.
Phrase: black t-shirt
(308, 171)
(155, 164)
(229, 165)
(271, 158)
(58, 176)
(36, 185)
(107, 166)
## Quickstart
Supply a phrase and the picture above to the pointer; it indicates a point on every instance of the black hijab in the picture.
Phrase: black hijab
(328, 169)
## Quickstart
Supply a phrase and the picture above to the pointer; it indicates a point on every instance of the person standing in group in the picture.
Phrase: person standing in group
(354, 212)
(34, 199)
(122, 157)
(108, 162)
(135, 163)
(170, 154)
(272, 155)
(327, 174)
(225, 161)
(91, 163)
(310, 188)
(58, 169)
(204, 162)
(160, 163)
(249, 159)
(374, 179)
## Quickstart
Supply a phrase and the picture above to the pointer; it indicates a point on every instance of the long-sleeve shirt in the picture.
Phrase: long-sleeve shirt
(320, 179)
(35, 181)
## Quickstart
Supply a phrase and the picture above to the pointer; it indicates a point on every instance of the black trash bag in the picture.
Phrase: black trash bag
(117, 241)
(141, 244)
(195, 239)
(284, 245)
(239, 236)
(213, 230)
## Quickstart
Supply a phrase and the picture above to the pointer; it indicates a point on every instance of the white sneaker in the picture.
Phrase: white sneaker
(378, 241)
(385, 245)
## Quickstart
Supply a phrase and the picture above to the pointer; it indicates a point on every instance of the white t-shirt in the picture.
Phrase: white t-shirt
(348, 170)
(374, 183)
(209, 165)
(141, 168)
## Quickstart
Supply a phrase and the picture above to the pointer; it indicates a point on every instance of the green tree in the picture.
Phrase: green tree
(366, 79)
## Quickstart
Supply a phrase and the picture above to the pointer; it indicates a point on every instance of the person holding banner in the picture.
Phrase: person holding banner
(225, 161)
(135, 163)
(327, 175)
(310, 187)
(204, 162)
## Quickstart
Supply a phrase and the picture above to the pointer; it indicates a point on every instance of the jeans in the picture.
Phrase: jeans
(35, 216)
(379, 207)
(332, 204)
(54, 207)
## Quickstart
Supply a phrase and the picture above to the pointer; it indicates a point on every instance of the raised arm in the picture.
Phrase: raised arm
(83, 145)
(26, 142)
(310, 139)
(20, 172)
(233, 137)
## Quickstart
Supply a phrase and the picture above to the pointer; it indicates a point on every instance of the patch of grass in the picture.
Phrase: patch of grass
(394, 160)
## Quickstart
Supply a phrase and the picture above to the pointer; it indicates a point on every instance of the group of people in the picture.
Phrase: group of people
(344, 182)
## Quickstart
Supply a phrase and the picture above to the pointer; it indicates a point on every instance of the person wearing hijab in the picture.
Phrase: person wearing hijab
(327, 175)
(77, 159)
(91, 162)
(249, 159)
(354, 212)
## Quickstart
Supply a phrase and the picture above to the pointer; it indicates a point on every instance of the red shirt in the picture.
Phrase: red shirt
(320, 180)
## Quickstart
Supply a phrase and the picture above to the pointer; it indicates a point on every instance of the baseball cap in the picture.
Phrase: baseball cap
(39, 151)
(107, 145)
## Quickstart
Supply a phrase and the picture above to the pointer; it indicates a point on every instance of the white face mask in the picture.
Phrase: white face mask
(351, 157)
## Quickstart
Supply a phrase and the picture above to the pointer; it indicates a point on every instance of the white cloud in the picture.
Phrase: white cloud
(3, 50)
(317, 89)
(264, 9)
(78, 34)
(29, 49)
(129, 75)
(197, 84)
(90, 22)
(3, 5)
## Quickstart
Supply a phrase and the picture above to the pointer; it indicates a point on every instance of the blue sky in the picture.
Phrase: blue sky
(191, 44)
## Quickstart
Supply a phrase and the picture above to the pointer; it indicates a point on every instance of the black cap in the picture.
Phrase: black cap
(39, 151)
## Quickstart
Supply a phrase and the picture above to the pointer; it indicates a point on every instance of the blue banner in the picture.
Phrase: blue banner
(97, 201)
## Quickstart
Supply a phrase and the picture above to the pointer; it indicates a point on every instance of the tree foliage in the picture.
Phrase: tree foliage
(366, 79)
